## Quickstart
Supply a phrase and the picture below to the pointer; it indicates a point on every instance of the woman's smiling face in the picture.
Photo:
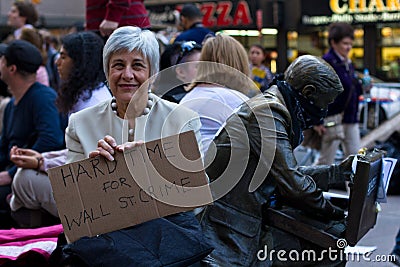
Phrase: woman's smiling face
(127, 71)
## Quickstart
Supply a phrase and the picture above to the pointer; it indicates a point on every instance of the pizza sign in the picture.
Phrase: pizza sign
(224, 13)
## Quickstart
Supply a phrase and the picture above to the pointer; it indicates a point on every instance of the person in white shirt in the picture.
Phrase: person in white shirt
(222, 83)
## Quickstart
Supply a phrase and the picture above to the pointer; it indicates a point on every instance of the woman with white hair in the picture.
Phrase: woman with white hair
(130, 58)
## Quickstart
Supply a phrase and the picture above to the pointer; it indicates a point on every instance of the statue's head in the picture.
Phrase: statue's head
(315, 79)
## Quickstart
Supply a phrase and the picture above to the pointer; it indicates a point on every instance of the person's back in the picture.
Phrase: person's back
(191, 22)
(220, 85)
(214, 105)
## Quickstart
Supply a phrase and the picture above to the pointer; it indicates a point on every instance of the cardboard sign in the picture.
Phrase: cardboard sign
(157, 179)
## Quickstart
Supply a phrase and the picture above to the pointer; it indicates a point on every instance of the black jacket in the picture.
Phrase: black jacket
(253, 149)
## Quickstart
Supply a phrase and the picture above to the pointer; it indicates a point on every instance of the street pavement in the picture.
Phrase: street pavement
(382, 235)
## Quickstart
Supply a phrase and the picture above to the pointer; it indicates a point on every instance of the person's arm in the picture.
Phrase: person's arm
(327, 176)
(53, 159)
(295, 188)
(74, 146)
(47, 125)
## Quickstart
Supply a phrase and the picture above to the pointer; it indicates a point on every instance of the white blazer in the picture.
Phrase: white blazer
(88, 126)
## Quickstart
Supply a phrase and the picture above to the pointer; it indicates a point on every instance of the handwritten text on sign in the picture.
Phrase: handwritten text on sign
(157, 179)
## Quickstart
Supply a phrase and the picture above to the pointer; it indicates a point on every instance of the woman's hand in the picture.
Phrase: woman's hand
(107, 146)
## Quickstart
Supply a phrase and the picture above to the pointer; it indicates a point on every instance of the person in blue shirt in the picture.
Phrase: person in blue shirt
(31, 119)
(191, 21)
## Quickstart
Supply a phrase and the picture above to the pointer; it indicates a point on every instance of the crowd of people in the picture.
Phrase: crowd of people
(111, 87)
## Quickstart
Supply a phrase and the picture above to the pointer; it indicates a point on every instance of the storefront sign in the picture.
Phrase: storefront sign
(350, 11)
(216, 14)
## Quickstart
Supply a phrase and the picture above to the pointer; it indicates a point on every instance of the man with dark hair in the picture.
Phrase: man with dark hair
(31, 119)
(341, 123)
(22, 15)
(191, 22)
(251, 166)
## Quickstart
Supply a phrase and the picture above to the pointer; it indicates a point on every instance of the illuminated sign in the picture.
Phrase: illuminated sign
(223, 14)
(350, 11)
(363, 6)
(216, 14)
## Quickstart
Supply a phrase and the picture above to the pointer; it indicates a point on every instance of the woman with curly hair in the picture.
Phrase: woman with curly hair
(80, 68)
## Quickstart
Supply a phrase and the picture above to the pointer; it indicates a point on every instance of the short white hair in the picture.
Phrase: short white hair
(133, 38)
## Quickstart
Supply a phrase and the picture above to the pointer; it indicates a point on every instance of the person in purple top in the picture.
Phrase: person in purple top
(341, 123)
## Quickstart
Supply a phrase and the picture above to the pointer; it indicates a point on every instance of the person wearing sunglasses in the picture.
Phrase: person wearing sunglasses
(180, 60)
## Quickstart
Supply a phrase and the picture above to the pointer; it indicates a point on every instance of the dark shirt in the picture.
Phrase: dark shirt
(33, 123)
(196, 33)
(347, 101)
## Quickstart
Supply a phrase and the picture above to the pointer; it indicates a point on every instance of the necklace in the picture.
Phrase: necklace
(150, 103)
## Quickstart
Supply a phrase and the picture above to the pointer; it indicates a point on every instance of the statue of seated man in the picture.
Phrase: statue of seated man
(251, 165)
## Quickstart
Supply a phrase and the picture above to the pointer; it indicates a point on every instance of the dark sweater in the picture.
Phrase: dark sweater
(347, 101)
(33, 123)
(197, 33)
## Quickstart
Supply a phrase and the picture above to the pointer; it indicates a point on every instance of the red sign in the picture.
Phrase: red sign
(221, 14)
(259, 19)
